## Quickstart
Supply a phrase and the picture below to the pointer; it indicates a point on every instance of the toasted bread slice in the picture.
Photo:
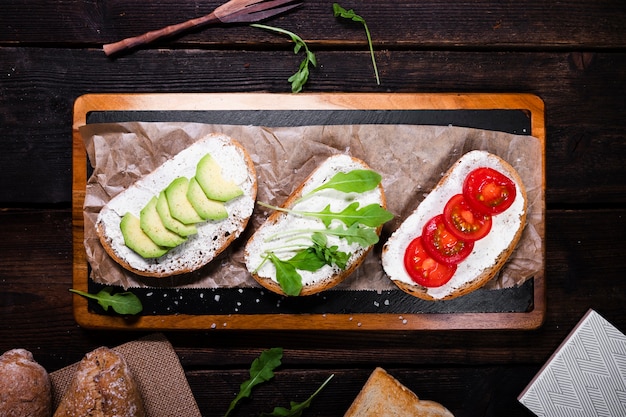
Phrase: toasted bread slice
(211, 238)
(384, 396)
(281, 222)
(489, 253)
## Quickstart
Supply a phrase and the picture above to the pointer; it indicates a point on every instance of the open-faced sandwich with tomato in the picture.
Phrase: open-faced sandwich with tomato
(322, 232)
(462, 233)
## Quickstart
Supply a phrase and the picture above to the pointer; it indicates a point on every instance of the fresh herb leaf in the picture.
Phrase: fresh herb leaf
(296, 408)
(121, 302)
(355, 181)
(363, 236)
(307, 260)
(288, 278)
(339, 11)
(300, 78)
(372, 215)
(261, 370)
(330, 254)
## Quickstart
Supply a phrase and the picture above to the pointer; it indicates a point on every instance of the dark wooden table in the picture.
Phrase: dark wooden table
(571, 54)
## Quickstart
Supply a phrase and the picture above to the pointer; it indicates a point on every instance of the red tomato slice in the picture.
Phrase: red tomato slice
(488, 191)
(464, 222)
(423, 269)
(442, 245)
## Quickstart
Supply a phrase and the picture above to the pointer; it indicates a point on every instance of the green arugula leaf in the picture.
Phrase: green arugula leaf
(296, 409)
(288, 278)
(121, 303)
(261, 370)
(355, 181)
(301, 76)
(339, 11)
(307, 260)
(372, 215)
(363, 236)
(330, 254)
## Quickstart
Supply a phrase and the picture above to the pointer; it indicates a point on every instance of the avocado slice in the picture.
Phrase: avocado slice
(152, 226)
(171, 223)
(207, 209)
(137, 240)
(180, 207)
(215, 186)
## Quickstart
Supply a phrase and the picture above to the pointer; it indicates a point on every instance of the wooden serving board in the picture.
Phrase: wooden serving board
(521, 308)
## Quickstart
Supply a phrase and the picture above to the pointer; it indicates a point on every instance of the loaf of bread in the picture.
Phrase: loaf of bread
(103, 386)
(489, 253)
(282, 223)
(25, 388)
(209, 238)
(383, 395)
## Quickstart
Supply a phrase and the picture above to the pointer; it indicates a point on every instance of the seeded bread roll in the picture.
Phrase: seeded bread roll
(383, 395)
(25, 388)
(103, 386)
(327, 277)
(489, 254)
(212, 237)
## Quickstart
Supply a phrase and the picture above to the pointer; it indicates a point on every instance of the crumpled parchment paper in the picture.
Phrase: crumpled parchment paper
(411, 160)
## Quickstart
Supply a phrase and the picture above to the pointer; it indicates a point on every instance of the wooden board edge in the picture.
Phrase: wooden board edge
(281, 101)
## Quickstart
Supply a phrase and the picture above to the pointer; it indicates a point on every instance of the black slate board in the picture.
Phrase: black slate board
(169, 301)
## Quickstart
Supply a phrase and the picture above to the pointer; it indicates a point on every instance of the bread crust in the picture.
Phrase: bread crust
(383, 395)
(103, 386)
(176, 261)
(480, 279)
(339, 275)
(25, 388)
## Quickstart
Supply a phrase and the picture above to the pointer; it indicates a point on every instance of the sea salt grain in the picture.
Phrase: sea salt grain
(217, 297)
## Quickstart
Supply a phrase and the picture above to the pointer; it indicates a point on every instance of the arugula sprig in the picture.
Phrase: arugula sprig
(372, 215)
(301, 76)
(310, 258)
(350, 14)
(121, 302)
(297, 409)
(261, 370)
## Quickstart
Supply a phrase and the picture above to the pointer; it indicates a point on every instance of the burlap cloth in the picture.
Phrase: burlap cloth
(158, 373)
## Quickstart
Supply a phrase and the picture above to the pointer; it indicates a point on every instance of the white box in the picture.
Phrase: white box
(586, 375)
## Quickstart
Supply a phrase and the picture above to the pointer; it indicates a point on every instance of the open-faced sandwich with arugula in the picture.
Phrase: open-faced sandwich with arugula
(182, 215)
(462, 233)
(322, 232)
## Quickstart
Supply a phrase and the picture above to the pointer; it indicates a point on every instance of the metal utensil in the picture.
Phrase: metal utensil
(234, 11)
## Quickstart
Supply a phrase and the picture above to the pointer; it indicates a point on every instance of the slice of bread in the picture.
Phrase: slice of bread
(212, 237)
(384, 396)
(279, 222)
(489, 253)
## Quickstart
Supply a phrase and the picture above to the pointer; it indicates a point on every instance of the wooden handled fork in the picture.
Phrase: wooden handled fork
(234, 11)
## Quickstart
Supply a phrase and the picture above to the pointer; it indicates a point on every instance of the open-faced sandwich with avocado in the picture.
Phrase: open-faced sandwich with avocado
(183, 214)
(462, 233)
(322, 232)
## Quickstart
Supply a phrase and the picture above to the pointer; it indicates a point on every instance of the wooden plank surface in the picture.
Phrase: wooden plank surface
(572, 54)
(433, 24)
(260, 101)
